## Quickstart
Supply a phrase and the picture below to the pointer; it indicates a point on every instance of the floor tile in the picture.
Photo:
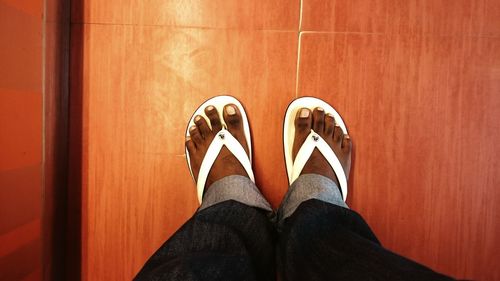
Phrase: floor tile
(416, 82)
(442, 17)
(135, 202)
(423, 114)
(259, 14)
(140, 86)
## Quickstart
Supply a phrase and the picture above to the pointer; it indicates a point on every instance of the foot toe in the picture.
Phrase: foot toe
(318, 120)
(202, 125)
(214, 118)
(303, 121)
(329, 125)
(195, 135)
(191, 147)
(234, 122)
(346, 143)
(232, 117)
(337, 134)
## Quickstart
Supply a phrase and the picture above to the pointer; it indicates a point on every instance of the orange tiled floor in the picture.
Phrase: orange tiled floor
(417, 83)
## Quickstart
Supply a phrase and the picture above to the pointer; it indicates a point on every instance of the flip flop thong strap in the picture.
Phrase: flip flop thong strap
(223, 137)
(313, 141)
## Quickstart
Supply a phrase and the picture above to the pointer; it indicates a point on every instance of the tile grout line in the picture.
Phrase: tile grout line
(299, 38)
(285, 30)
(298, 66)
(342, 32)
(301, 5)
(184, 27)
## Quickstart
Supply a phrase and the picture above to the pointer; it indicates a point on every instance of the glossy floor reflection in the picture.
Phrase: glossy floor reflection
(419, 95)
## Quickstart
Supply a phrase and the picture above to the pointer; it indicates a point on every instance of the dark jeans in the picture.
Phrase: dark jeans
(320, 241)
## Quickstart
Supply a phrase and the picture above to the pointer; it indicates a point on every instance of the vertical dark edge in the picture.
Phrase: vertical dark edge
(75, 149)
(55, 170)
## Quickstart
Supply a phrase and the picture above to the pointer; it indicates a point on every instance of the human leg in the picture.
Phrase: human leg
(230, 237)
(320, 238)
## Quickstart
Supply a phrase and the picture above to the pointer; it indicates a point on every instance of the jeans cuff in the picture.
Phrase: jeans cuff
(237, 188)
(306, 187)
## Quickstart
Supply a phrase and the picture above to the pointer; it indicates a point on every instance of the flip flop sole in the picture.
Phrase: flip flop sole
(219, 102)
(289, 125)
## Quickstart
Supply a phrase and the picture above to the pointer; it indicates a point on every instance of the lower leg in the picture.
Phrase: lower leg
(320, 238)
(231, 236)
(322, 241)
(227, 241)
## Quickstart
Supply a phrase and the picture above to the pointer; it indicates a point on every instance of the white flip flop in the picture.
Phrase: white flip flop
(223, 137)
(314, 140)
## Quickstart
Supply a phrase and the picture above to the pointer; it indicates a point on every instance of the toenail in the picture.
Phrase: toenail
(329, 115)
(304, 113)
(347, 137)
(230, 110)
(319, 109)
(197, 118)
(192, 128)
(188, 138)
(210, 108)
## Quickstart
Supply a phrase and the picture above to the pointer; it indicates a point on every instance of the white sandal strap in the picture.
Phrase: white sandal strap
(313, 141)
(223, 137)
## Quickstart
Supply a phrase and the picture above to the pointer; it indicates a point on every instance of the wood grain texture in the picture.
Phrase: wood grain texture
(438, 17)
(259, 14)
(140, 87)
(416, 81)
(423, 113)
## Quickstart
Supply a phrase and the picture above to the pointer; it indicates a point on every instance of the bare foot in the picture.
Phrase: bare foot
(325, 126)
(226, 163)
